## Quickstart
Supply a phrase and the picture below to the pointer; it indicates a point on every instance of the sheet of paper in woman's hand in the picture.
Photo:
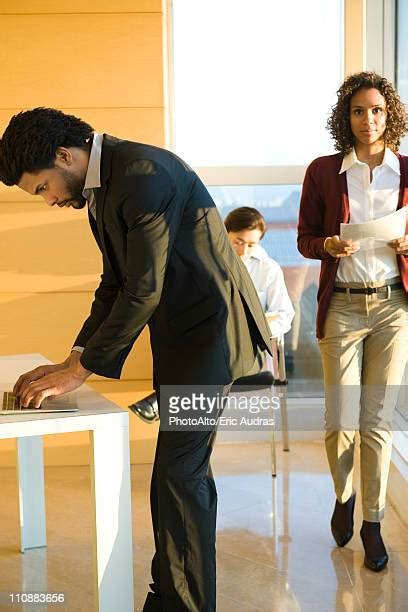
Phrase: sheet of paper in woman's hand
(383, 229)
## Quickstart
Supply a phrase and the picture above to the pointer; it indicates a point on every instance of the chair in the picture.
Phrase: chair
(276, 364)
(274, 379)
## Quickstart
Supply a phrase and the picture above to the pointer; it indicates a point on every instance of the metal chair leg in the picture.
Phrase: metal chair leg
(277, 366)
(273, 453)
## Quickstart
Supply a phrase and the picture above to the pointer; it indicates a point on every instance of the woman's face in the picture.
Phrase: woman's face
(368, 117)
(244, 241)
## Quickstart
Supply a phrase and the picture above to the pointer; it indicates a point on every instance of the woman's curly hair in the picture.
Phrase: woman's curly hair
(338, 123)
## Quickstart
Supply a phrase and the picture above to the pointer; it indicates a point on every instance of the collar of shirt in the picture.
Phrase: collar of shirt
(390, 160)
(257, 252)
(93, 174)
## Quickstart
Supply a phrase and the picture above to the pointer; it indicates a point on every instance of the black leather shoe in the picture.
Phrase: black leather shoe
(375, 558)
(147, 408)
(342, 521)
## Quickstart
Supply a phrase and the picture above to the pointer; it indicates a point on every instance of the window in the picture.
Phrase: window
(253, 85)
(254, 81)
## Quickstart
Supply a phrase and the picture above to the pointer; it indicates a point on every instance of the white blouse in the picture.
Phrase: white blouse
(369, 201)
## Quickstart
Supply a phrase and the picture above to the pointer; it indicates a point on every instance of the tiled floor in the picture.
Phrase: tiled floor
(275, 550)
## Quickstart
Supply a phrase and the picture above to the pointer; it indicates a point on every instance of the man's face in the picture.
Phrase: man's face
(61, 185)
(244, 241)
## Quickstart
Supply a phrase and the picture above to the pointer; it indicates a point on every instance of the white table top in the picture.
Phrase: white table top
(94, 410)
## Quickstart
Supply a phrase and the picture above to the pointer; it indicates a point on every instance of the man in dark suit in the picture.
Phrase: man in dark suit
(168, 263)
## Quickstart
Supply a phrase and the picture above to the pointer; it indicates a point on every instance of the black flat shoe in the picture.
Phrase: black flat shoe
(375, 558)
(342, 521)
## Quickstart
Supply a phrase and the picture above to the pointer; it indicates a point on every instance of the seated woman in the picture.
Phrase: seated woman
(246, 227)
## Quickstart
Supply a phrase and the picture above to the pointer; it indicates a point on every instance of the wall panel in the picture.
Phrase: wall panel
(81, 60)
(103, 61)
(47, 323)
(79, 6)
(47, 249)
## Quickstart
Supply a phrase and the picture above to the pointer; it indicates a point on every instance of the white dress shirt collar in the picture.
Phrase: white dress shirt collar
(390, 160)
(93, 174)
(257, 252)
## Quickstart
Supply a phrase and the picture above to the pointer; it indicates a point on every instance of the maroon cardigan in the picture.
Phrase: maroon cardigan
(324, 204)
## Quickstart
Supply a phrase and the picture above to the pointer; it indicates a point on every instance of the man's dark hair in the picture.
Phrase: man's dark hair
(245, 218)
(32, 137)
(338, 123)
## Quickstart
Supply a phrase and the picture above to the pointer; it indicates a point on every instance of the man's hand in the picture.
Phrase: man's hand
(29, 377)
(44, 370)
(400, 245)
(340, 248)
(51, 383)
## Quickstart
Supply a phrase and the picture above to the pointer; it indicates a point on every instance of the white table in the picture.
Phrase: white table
(110, 476)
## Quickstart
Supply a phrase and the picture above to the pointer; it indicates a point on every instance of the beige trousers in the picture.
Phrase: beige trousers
(364, 352)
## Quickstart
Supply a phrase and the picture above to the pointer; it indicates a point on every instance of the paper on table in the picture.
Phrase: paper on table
(376, 234)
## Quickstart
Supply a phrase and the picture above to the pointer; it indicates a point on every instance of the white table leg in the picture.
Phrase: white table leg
(30, 473)
(113, 550)
(34, 577)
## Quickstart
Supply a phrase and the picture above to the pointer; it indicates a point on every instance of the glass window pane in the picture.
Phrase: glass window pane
(402, 58)
(254, 81)
(279, 204)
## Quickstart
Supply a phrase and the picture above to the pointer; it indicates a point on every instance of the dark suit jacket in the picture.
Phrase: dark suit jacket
(323, 206)
(168, 263)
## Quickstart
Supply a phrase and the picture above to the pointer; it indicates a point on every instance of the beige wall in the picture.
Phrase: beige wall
(103, 61)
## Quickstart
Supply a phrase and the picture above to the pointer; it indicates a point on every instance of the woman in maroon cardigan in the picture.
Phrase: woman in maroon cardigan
(362, 317)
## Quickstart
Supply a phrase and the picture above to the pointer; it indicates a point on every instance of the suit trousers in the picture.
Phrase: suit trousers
(364, 353)
(183, 500)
